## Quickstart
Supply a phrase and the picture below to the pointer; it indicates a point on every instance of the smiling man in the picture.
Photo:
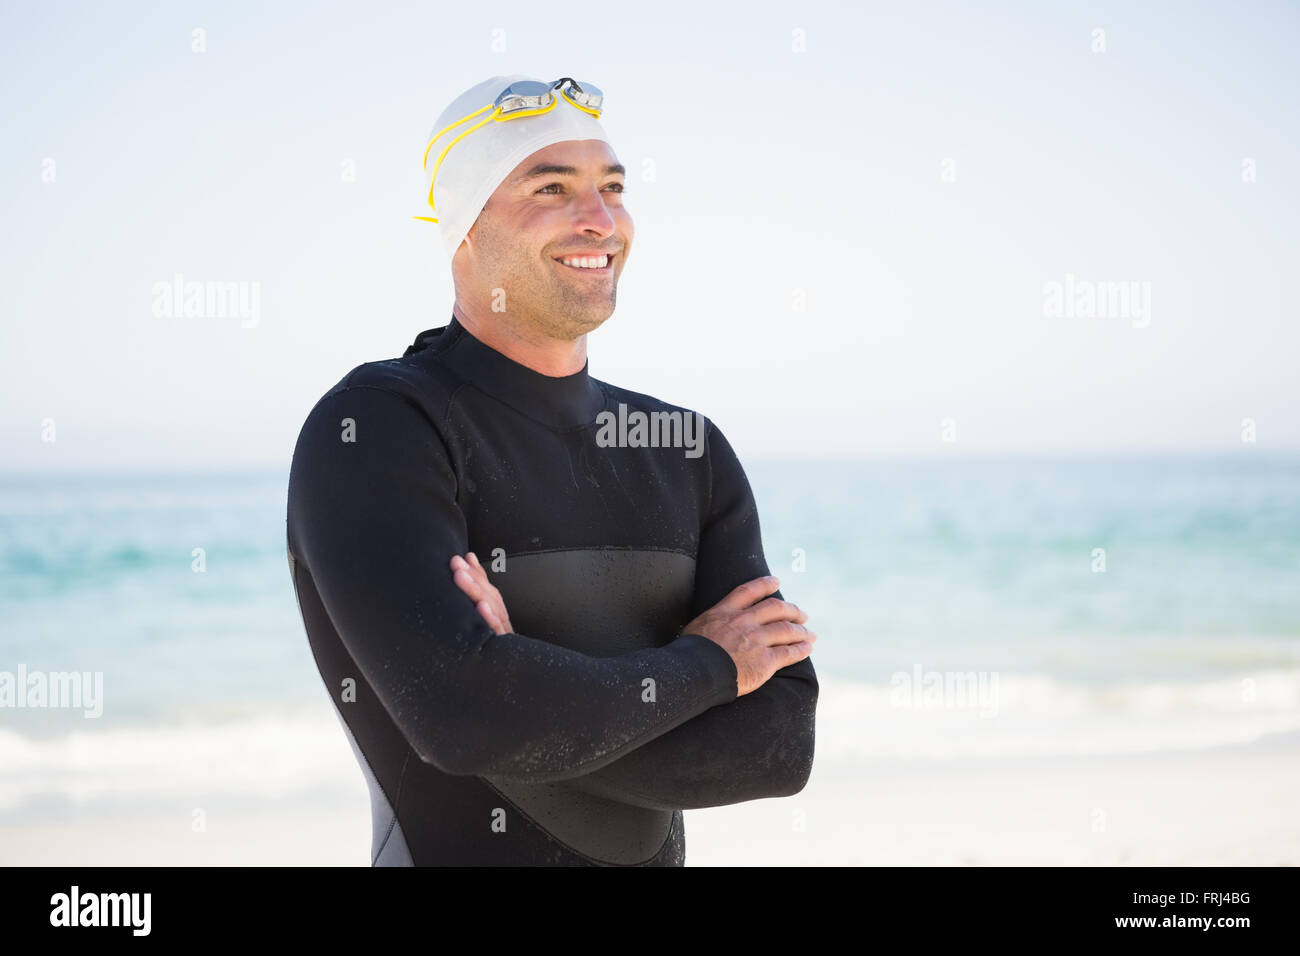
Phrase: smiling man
(621, 653)
(521, 245)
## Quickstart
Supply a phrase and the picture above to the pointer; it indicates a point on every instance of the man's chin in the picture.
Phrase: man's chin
(566, 319)
(588, 321)
(589, 312)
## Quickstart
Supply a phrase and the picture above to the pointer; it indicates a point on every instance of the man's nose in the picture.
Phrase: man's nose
(591, 213)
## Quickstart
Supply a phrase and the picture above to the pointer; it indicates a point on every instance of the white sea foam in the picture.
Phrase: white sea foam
(278, 755)
(268, 756)
(1037, 715)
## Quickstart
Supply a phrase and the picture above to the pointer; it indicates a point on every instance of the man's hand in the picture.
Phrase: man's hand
(762, 636)
(473, 580)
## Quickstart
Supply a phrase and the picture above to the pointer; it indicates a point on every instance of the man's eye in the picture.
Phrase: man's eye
(619, 187)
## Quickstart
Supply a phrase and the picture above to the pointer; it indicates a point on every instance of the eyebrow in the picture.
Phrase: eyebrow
(549, 169)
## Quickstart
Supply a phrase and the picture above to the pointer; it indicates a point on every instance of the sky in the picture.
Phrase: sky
(892, 198)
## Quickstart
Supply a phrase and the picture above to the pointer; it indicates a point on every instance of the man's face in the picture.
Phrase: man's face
(563, 201)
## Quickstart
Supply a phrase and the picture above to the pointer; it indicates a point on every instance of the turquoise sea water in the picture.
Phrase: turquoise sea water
(990, 564)
(1190, 636)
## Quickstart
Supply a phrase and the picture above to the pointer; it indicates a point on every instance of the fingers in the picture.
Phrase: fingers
(490, 616)
(472, 582)
(473, 572)
(772, 609)
(471, 578)
(793, 653)
(776, 609)
(782, 633)
(749, 592)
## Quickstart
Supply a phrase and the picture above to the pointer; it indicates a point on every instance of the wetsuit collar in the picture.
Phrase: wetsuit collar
(558, 401)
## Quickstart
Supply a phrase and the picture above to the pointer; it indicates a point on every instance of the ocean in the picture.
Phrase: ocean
(964, 608)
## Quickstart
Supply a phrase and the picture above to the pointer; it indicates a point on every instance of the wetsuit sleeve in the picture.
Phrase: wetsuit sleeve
(373, 519)
(761, 744)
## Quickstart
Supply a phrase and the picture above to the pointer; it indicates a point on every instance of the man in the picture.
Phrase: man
(620, 653)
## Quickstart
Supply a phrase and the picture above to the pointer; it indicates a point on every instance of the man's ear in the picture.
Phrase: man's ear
(470, 236)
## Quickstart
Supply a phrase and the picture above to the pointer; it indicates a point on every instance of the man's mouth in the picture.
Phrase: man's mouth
(603, 263)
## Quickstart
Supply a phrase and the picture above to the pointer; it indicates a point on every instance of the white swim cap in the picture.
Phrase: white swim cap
(477, 164)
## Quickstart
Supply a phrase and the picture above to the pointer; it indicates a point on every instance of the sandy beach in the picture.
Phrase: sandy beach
(1226, 806)
(1223, 807)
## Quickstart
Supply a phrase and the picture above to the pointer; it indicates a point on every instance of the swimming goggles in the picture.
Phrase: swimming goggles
(519, 99)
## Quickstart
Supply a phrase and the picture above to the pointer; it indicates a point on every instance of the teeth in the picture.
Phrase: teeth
(587, 262)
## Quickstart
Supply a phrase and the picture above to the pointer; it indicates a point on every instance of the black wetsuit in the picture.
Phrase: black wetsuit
(580, 737)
